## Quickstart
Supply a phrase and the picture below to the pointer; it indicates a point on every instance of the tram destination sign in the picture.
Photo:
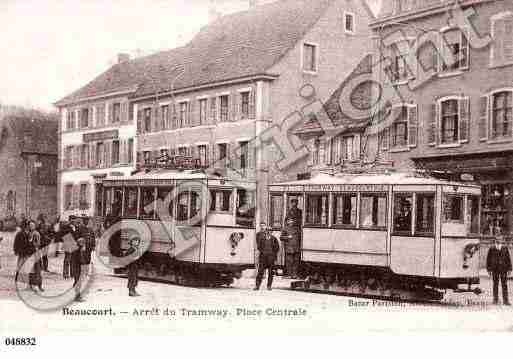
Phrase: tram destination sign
(334, 188)
(100, 136)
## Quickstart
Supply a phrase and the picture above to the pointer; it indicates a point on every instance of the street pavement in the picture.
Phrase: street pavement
(164, 309)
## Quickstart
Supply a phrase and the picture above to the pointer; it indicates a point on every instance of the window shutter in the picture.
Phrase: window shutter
(140, 121)
(464, 119)
(88, 195)
(76, 196)
(124, 111)
(193, 116)
(139, 157)
(155, 121)
(237, 99)
(385, 137)
(252, 106)
(311, 149)
(122, 152)
(251, 154)
(107, 154)
(109, 108)
(173, 115)
(356, 147)
(499, 41)
(76, 162)
(435, 59)
(328, 149)
(412, 125)
(507, 47)
(465, 36)
(130, 110)
(433, 125)
(92, 155)
(90, 114)
(484, 114)
(322, 152)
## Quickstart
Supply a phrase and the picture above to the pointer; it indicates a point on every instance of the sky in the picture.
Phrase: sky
(52, 47)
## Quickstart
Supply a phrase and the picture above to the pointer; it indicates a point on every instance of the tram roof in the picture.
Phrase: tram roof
(161, 176)
(373, 179)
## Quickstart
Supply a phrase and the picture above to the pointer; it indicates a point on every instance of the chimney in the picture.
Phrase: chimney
(213, 12)
(123, 57)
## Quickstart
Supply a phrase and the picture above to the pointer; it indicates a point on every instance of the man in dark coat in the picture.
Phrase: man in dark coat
(21, 246)
(498, 265)
(44, 230)
(133, 267)
(292, 238)
(268, 248)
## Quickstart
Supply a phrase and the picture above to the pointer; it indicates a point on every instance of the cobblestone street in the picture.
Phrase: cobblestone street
(164, 308)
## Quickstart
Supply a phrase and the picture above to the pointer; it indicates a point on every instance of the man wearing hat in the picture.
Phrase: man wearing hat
(498, 265)
(291, 236)
(268, 247)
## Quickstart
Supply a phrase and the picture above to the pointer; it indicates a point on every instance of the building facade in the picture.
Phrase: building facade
(237, 84)
(28, 157)
(453, 85)
(97, 137)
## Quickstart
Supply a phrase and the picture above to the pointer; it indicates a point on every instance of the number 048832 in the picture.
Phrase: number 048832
(19, 341)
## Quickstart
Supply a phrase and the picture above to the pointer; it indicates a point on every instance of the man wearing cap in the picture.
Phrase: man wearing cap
(268, 247)
(292, 238)
(498, 265)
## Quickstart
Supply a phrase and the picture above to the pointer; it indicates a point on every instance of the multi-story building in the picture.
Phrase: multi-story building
(28, 158)
(97, 137)
(452, 65)
(241, 75)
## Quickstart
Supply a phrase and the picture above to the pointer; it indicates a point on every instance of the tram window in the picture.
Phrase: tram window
(220, 200)
(373, 210)
(276, 219)
(130, 209)
(188, 205)
(317, 210)
(245, 214)
(473, 214)
(453, 208)
(425, 213)
(344, 209)
(164, 209)
(147, 210)
(403, 204)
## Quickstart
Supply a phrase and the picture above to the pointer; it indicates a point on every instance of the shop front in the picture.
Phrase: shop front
(494, 172)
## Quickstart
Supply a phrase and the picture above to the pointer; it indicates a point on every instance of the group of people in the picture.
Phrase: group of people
(268, 246)
(33, 240)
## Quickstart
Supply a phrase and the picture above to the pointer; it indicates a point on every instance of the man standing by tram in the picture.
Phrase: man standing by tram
(498, 265)
(292, 238)
(268, 248)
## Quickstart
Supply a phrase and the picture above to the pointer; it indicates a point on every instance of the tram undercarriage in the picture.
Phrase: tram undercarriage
(161, 267)
(376, 282)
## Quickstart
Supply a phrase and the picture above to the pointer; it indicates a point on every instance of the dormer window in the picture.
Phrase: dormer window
(310, 58)
(455, 52)
(349, 23)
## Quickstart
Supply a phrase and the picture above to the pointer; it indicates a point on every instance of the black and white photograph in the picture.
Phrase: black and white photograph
(279, 167)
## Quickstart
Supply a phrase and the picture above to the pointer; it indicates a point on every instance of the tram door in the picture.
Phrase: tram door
(413, 238)
(293, 224)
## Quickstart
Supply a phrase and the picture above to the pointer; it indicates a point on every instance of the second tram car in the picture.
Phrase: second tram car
(201, 226)
(388, 235)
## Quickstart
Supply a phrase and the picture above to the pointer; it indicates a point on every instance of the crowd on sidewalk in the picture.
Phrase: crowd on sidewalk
(32, 246)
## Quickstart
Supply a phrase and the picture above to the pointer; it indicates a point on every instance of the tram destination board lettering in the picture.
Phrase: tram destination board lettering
(100, 136)
(346, 188)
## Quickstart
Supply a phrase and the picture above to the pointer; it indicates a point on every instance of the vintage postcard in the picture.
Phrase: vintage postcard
(286, 167)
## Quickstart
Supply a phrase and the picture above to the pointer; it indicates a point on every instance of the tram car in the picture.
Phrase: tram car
(198, 227)
(395, 235)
